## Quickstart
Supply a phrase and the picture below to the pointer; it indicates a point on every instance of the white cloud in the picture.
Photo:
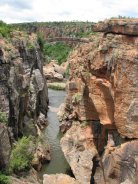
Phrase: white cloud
(66, 10)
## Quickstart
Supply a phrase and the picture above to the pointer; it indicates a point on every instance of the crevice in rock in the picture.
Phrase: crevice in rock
(95, 165)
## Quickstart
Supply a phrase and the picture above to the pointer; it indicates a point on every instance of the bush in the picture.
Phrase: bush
(76, 98)
(4, 179)
(41, 40)
(30, 46)
(58, 51)
(3, 118)
(21, 155)
(5, 29)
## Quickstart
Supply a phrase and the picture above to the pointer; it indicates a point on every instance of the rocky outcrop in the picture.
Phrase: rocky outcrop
(118, 26)
(103, 89)
(5, 146)
(23, 91)
(59, 179)
(42, 153)
(79, 151)
(23, 87)
(99, 71)
(54, 72)
(120, 164)
(67, 32)
(30, 178)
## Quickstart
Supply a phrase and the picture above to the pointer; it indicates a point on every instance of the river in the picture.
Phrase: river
(58, 164)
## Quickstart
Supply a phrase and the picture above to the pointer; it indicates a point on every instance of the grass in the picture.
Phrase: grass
(57, 86)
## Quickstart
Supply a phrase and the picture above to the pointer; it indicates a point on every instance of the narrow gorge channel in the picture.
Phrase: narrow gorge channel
(58, 164)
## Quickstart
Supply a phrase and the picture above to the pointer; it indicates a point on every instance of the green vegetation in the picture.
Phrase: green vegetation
(121, 17)
(57, 51)
(57, 86)
(21, 155)
(4, 179)
(67, 71)
(3, 117)
(65, 29)
(30, 46)
(5, 29)
(76, 98)
(41, 40)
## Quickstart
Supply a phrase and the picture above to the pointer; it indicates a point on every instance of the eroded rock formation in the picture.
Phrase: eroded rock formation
(23, 88)
(118, 26)
(23, 92)
(79, 150)
(5, 146)
(103, 88)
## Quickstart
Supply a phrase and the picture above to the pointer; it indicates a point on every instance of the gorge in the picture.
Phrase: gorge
(98, 116)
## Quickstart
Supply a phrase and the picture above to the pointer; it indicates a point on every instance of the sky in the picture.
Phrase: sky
(14, 11)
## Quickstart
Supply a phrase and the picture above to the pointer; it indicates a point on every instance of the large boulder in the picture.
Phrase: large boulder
(55, 72)
(79, 151)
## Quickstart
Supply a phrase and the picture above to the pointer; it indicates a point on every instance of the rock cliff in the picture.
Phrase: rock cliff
(23, 90)
(103, 94)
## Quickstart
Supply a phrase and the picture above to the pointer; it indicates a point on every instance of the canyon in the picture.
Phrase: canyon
(99, 116)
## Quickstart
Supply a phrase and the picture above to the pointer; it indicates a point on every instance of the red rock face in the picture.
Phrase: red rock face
(105, 75)
(118, 26)
(103, 92)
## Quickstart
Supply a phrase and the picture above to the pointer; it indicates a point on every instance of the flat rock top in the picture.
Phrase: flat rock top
(58, 179)
(118, 26)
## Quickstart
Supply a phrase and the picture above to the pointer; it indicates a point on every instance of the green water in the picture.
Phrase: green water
(58, 164)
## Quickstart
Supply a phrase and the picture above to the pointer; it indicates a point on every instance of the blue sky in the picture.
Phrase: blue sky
(12, 11)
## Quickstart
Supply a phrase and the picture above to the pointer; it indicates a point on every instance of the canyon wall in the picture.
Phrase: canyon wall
(101, 109)
(67, 32)
(23, 90)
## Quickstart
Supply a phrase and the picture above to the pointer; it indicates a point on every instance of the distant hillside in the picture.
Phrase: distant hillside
(58, 29)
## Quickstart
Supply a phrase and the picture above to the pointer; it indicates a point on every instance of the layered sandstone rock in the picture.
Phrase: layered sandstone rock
(103, 88)
(104, 82)
(118, 26)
